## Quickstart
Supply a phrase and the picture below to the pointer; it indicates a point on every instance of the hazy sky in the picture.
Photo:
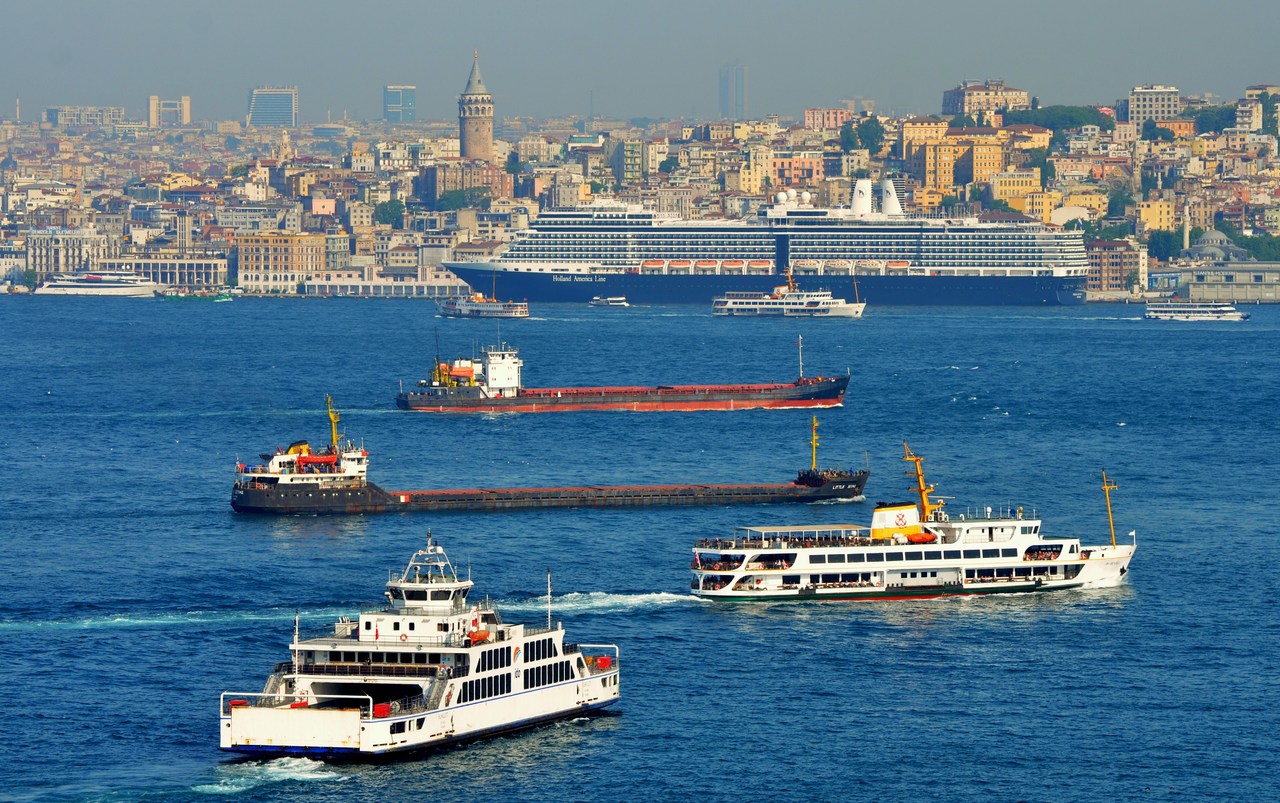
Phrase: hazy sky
(642, 58)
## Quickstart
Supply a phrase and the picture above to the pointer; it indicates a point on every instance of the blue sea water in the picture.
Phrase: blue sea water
(133, 595)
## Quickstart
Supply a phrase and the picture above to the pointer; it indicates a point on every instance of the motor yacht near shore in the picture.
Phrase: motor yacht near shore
(910, 551)
(430, 668)
(121, 284)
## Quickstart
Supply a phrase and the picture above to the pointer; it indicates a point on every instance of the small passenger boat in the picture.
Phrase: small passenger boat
(480, 306)
(1178, 310)
(609, 301)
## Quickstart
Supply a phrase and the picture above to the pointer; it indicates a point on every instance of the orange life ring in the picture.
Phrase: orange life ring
(404, 636)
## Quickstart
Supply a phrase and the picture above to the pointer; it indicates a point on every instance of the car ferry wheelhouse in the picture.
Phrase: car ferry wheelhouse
(908, 552)
(614, 249)
(431, 667)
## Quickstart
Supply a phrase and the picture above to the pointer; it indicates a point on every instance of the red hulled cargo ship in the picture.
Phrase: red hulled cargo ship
(493, 384)
(335, 480)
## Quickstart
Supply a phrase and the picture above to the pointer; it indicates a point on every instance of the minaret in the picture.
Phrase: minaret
(475, 117)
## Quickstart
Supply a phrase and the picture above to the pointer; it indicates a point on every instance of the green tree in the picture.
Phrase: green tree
(239, 171)
(390, 213)
(1212, 119)
(849, 138)
(597, 187)
(471, 198)
(514, 165)
(1039, 157)
(669, 164)
(1269, 123)
(1060, 118)
(1151, 131)
(871, 134)
(961, 121)
(1164, 245)
(232, 143)
(1117, 201)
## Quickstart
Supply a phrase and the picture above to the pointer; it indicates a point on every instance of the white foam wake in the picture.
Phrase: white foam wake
(240, 778)
(596, 602)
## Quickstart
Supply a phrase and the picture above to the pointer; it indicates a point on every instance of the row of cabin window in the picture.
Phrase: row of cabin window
(546, 675)
(539, 649)
(494, 659)
(401, 727)
(483, 688)
(384, 657)
(1021, 571)
(935, 554)
(395, 626)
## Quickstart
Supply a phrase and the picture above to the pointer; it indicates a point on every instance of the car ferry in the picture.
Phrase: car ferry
(432, 667)
(910, 551)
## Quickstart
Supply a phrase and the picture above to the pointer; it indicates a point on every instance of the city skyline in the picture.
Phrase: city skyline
(555, 59)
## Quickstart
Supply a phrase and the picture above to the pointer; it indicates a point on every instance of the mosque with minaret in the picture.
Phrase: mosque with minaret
(475, 117)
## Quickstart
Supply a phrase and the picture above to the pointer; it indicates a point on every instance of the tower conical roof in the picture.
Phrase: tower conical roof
(475, 84)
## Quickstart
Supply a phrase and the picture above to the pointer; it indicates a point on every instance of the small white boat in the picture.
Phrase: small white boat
(1176, 310)
(122, 284)
(609, 301)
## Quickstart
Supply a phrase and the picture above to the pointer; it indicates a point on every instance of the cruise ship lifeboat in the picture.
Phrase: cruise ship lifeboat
(478, 636)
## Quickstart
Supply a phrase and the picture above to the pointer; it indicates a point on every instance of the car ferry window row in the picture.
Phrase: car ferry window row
(547, 674)
(494, 659)
(843, 577)
(336, 657)
(1021, 571)
(483, 688)
(540, 649)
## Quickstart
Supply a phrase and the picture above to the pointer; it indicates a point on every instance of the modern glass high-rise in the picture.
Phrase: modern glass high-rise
(274, 106)
(400, 103)
(733, 92)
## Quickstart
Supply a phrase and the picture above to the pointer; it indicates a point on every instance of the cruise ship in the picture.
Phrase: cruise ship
(613, 249)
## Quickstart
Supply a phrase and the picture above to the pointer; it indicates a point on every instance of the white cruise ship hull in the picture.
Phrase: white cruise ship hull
(146, 290)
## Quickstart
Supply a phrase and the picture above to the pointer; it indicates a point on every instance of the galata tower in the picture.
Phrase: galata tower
(475, 117)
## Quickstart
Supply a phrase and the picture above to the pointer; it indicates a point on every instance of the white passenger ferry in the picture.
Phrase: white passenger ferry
(788, 301)
(1174, 310)
(478, 305)
(908, 552)
(430, 668)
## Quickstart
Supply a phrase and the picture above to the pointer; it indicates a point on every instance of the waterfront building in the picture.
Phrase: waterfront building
(400, 103)
(273, 106)
(278, 263)
(190, 272)
(51, 251)
(475, 117)
(1115, 265)
(1153, 102)
(161, 112)
(974, 97)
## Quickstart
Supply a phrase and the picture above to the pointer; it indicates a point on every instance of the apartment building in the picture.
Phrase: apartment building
(278, 263)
